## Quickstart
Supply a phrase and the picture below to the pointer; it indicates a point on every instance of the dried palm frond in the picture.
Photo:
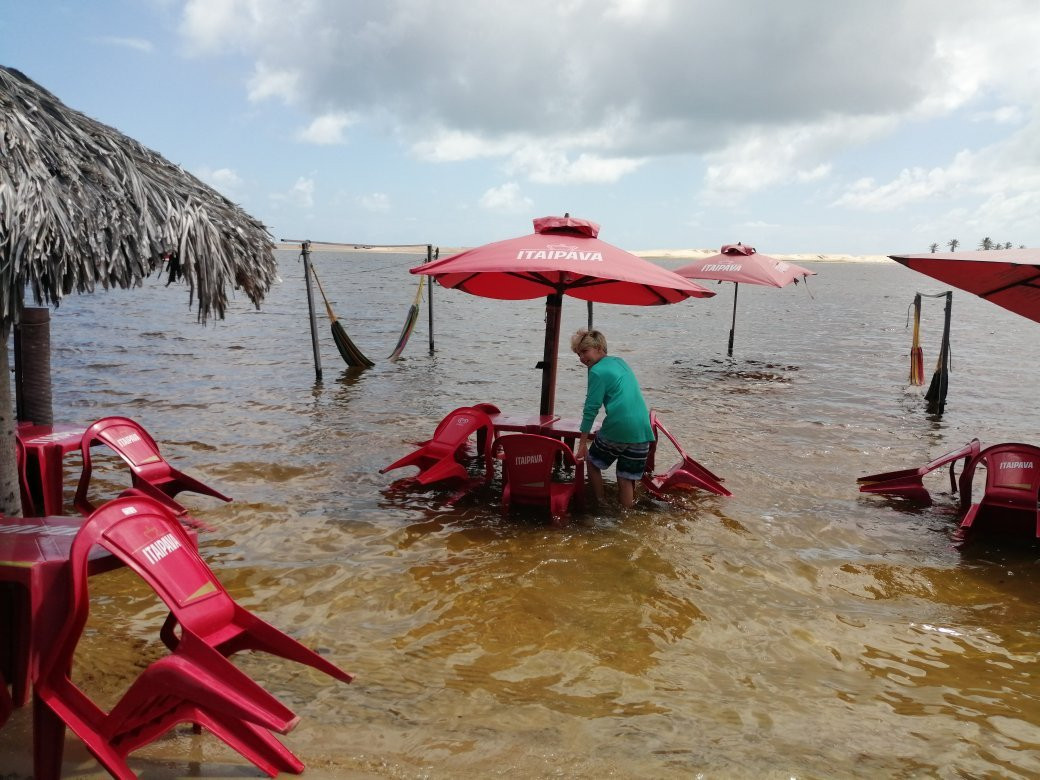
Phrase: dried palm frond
(83, 205)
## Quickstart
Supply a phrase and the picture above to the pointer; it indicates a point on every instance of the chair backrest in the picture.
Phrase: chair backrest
(659, 428)
(1012, 475)
(127, 438)
(147, 536)
(458, 425)
(527, 462)
(651, 456)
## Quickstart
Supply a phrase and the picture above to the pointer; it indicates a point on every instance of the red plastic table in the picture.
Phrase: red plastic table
(34, 555)
(45, 450)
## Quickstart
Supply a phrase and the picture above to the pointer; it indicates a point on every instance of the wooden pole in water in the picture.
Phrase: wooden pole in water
(429, 292)
(305, 253)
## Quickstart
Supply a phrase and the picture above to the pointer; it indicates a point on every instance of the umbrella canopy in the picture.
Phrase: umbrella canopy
(738, 263)
(562, 257)
(83, 205)
(1006, 277)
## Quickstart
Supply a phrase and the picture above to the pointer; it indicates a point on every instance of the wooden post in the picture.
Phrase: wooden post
(429, 291)
(32, 366)
(305, 253)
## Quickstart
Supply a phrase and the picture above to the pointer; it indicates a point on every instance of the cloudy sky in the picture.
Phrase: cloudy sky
(861, 126)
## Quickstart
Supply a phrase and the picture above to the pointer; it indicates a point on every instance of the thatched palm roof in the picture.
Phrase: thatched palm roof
(83, 205)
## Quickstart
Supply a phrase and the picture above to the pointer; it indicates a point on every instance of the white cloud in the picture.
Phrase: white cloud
(138, 44)
(506, 198)
(375, 201)
(1001, 177)
(301, 194)
(267, 82)
(1005, 115)
(455, 145)
(553, 166)
(326, 129)
(761, 157)
(586, 92)
(224, 180)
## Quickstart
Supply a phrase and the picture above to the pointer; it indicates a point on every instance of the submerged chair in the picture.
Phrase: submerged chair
(195, 683)
(151, 474)
(685, 474)
(908, 482)
(1009, 501)
(438, 458)
(528, 461)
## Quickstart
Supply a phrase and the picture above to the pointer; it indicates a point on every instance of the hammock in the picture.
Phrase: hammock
(409, 322)
(916, 353)
(348, 350)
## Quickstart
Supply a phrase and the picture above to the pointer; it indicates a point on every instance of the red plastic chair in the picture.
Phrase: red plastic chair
(437, 459)
(685, 474)
(528, 461)
(908, 482)
(1009, 501)
(151, 474)
(195, 684)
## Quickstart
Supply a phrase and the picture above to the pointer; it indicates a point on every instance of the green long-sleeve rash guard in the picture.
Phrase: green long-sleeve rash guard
(613, 386)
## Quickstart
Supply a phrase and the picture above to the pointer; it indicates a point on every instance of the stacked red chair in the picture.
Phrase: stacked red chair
(909, 483)
(686, 474)
(439, 458)
(1009, 502)
(195, 683)
(528, 463)
(151, 474)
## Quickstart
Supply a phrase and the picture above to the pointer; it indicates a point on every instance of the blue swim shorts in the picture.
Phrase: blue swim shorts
(631, 458)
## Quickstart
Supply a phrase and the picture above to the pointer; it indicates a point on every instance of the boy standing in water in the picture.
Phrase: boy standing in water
(625, 434)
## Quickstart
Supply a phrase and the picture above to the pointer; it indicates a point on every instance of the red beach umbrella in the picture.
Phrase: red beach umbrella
(738, 263)
(562, 257)
(1006, 277)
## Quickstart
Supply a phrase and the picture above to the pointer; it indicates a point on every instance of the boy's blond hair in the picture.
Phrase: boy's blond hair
(585, 338)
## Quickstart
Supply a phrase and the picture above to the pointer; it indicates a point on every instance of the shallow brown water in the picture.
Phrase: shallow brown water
(797, 629)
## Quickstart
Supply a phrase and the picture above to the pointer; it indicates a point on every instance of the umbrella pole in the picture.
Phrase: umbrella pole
(553, 306)
(590, 315)
(733, 325)
(305, 253)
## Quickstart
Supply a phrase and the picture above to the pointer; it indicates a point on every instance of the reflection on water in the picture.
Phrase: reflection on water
(798, 628)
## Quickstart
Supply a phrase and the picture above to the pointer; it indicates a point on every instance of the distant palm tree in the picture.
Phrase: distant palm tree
(1007, 244)
(953, 243)
(934, 248)
(986, 243)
